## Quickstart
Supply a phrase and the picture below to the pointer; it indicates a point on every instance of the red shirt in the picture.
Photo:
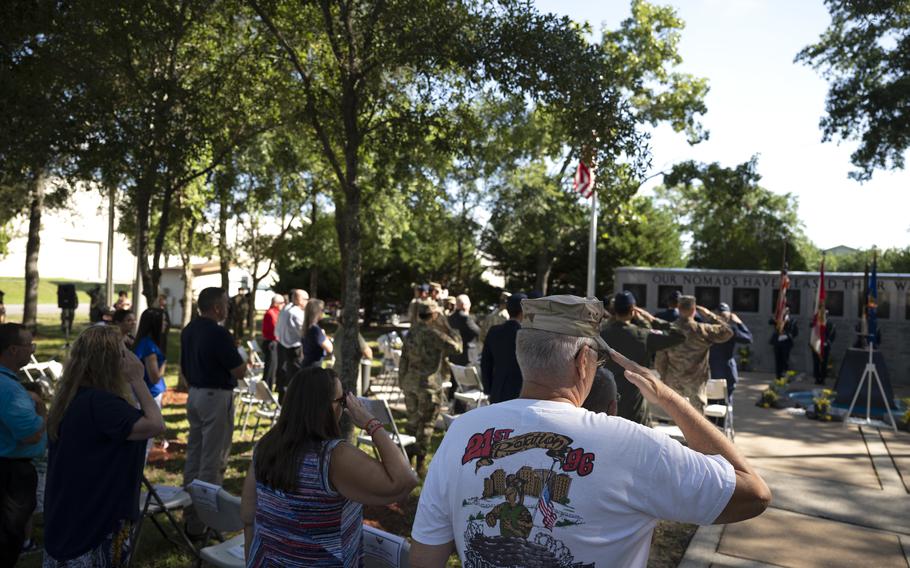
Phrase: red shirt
(268, 323)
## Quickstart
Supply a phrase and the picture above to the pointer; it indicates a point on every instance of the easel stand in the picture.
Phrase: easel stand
(869, 374)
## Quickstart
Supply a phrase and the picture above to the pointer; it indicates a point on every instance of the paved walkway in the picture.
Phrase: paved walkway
(841, 495)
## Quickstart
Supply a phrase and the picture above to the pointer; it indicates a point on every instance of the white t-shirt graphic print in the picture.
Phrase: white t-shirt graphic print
(541, 483)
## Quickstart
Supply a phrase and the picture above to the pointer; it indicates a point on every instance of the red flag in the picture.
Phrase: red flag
(584, 180)
(819, 321)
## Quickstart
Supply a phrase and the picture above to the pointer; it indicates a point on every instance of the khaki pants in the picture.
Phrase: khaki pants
(211, 416)
(423, 408)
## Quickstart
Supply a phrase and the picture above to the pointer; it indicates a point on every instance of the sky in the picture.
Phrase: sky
(761, 102)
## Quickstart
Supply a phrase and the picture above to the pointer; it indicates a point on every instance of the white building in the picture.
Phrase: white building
(74, 247)
(73, 243)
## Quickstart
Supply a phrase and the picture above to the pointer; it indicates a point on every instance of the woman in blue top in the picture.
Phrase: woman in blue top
(149, 349)
(316, 345)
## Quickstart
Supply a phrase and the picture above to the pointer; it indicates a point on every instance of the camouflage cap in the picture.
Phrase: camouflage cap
(425, 307)
(686, 302)
(565, 314)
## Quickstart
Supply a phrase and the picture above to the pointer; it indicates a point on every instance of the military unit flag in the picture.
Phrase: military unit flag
(584, 180)
(872, 301)
(781, 308)
(819, 323)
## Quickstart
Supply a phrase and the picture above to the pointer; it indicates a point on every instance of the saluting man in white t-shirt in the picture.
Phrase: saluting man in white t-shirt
(539, 481)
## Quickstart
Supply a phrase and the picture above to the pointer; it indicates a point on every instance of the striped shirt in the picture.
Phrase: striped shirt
(312, 526)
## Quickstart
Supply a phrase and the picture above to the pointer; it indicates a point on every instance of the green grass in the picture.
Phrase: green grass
(14, 288)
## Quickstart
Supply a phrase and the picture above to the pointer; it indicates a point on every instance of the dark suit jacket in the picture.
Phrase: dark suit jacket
(723, 364)
(498, 364)
(465, 325)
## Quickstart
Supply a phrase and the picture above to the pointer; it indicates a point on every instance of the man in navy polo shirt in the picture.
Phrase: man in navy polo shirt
(211, 364)
(22, 437)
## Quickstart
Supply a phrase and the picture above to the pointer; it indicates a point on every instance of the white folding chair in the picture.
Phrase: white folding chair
(384, 550)
(721, 408)
(380, 409)
(470, 390)
(220, 512)
(162, 500)
(268, 407)
(661, 422)
(256, 354)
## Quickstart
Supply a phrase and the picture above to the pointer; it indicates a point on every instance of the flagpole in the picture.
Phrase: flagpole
(592, 246)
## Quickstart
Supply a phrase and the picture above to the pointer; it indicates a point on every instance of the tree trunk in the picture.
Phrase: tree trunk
(314, 270)
(544, 266)
(187, 314)
(142, 244)
(164, 223)
(223, 257)
(349, 235)
(251, 305)
(32, 246)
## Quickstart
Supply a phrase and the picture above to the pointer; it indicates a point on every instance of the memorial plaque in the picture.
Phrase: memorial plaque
(664, 293)
(792, 299)
(707, 296)
(834, 302)
(745, 299)
(640, 291)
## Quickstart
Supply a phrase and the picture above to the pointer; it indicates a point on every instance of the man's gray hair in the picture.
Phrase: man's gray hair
(546, 354)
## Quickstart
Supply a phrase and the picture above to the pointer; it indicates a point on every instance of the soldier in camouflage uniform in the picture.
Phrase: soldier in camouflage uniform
(238, 314)
(499, 315)
(687, 369)
(420, 369)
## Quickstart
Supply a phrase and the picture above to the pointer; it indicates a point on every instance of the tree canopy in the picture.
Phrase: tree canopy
(733, 222)
(865, 56)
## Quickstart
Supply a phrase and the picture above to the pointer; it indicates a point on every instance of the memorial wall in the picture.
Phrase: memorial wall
(753, 294)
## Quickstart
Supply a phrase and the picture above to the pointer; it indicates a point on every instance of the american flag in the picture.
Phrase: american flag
(781, 300)
(584, 180)
(819, 323)
(546, 508)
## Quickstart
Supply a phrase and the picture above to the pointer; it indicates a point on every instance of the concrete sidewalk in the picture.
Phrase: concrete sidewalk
(841, 495)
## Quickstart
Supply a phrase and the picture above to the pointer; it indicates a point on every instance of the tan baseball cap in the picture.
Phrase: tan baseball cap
(565, 314)
(427, 306)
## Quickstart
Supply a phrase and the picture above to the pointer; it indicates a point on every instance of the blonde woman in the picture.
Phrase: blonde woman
(316, 345)
(97, 450)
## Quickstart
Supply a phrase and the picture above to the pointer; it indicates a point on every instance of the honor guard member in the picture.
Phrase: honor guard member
(420, 369)
(638, 344)
(687, 368)
(498, 316)
(239, 312)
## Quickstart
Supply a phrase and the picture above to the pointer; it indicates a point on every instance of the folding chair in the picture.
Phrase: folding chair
(268, 407)
(661, 422)
(380, 409)
(722, 409)
(256, 354)
(162, 499)
(470, 390)
(384, 550)
(220, 512)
